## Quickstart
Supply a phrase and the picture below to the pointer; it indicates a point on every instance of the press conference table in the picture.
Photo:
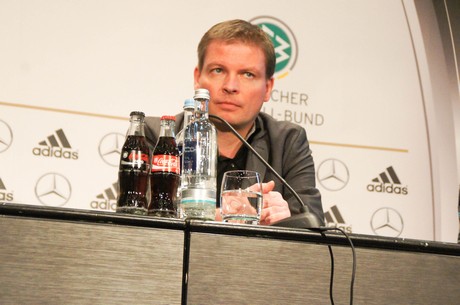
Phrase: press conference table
(66, 256)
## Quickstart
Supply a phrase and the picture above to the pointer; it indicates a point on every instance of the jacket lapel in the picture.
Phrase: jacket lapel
(261, 146)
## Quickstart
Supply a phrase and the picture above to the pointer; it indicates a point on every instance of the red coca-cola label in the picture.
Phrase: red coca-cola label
(165, 163)
(134, 156)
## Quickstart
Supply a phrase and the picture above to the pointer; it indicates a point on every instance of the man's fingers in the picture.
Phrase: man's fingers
(268, 187)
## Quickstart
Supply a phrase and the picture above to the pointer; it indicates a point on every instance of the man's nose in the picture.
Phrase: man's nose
(231, 83)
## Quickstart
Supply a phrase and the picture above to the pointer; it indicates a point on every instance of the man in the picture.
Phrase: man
(236, 63)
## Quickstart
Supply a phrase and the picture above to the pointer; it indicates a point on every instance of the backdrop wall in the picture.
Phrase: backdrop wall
(366, 79)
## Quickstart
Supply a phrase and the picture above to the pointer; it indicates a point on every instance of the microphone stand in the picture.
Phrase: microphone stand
(306, 219)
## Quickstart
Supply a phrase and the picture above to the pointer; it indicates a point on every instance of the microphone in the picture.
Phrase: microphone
(306, 219)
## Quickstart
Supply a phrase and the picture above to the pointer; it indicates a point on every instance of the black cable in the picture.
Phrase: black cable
(353, 273)
(331, 280)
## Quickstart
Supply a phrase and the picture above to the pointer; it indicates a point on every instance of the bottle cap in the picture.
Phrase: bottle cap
(201, 93)
(168, 117)
(137, 113)
(189, 103)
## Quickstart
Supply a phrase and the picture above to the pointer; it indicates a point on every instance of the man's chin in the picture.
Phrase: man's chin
(221, 125)
(226, 116)
(235, 123)
(223, 116)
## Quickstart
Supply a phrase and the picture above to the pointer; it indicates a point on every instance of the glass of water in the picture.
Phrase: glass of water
(241, 197)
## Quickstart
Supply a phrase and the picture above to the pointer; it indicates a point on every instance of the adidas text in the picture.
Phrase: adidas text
(55, 152)
(6, 196)
(108, 205)
(387, 188)
(345, 227)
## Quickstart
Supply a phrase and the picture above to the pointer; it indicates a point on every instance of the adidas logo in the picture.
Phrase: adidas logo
(107, 200)
(387, 182)
(56, 145)
(4, 194)
(334, 219)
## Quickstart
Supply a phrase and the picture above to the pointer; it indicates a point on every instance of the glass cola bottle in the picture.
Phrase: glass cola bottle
(134, 169)
(199, 172)
(165, 169)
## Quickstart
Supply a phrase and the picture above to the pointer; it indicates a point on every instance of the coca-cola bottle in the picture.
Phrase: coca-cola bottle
(165, 169)
(133, 173)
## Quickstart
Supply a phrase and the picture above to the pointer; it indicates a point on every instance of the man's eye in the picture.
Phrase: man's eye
(248, 74)
(217, 70)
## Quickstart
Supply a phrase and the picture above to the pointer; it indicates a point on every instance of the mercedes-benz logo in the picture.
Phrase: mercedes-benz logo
(6, 136)
(333, 174)
(53, 189)
(110, 148)
(387, 222)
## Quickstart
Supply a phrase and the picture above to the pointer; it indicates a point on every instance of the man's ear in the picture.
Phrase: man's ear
(196, 77)
(268, 88)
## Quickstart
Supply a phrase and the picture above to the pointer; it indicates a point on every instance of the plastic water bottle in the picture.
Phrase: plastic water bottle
(199, 163)
(189, 108)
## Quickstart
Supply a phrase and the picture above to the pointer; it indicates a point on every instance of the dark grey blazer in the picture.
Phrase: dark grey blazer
(285, 147)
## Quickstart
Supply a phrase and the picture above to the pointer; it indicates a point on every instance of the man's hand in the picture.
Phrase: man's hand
(275, 207)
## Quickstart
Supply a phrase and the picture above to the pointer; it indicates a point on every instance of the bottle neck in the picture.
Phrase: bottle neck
(167, 128)
(188, 115)
(201, 110)
(136, 127)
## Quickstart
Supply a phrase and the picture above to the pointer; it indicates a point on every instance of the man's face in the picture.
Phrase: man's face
(234, 74)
